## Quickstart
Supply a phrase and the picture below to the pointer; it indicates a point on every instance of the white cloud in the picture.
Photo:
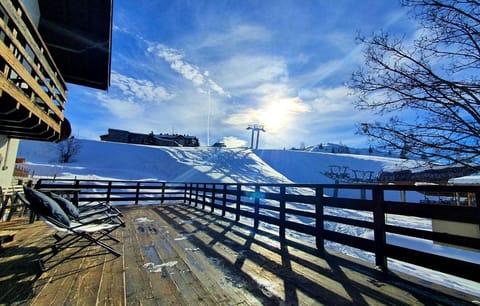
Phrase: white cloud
(333, 100)
(139, 88)
(121, 108)
(235, 35)
(187, 70)
(244, 72)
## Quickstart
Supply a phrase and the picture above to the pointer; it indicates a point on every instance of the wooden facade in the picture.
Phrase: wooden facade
(33, 92)
(33, 89)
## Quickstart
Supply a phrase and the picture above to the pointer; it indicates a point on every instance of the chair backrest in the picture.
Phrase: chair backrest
(45, 206)
(24, 200)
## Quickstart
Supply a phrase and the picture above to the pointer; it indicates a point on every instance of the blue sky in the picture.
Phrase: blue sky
(211, 68)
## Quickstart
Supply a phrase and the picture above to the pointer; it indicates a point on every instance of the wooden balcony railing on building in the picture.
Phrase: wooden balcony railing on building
(282, 205)
(32, 90)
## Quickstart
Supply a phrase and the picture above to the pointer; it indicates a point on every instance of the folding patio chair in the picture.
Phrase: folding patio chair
(54, 216)
(100, 212)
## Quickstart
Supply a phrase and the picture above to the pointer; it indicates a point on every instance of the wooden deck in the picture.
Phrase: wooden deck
(180, 255)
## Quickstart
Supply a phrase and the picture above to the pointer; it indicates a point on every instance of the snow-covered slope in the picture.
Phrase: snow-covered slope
(98, 159)
(310, 167)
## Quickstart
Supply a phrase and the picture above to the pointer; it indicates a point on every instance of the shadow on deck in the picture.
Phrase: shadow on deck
(180, 255)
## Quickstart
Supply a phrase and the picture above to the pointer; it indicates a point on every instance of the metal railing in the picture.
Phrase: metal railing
(311, 210)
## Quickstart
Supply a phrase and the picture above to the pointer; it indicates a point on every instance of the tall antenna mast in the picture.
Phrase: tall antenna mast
(208, 118)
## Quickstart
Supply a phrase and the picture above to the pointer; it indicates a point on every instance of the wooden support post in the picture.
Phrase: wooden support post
(185, 187)
(76, 193)
(224, 199)
(281, 227)
(190, 192)
(256, 208)
(204, 195)
(109, 191)
(319, 219)
(237, 202)
(379, 229)
(196, 194)
(163, 193)
(212, 208)
(137, 193)
(477, 203)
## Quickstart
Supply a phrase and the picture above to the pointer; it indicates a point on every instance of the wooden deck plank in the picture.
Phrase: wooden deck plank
(18, 275)
(65, 272)
(174, 267)
(194, 277)
(112, 283)
(86, 283)
(180, 255)
(280, 276)
(143, 287)
(206, 262)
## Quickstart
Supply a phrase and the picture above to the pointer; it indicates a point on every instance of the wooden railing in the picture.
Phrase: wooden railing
(310, 210)
(33, 90)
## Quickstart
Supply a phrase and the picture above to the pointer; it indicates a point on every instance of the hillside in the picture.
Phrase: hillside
(98, 159)
(320, 167)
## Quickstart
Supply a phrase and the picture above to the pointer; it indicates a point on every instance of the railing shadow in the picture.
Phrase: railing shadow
(281, 261)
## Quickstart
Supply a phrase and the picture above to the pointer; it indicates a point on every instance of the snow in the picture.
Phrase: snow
(117, 161)
(466, 180)
(310, 167)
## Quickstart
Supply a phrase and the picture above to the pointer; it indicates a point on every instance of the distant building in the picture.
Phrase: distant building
(219, 145)
(168, 140)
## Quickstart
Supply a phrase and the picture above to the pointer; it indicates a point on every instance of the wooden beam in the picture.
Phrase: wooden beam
(35, 67)
(19, 96)
(35, 41)
(25, 75)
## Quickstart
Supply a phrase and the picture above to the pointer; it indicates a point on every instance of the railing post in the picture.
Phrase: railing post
(477, 203)
(163, 193)
(319, 219)
(281, 227)
(237, 202)
(204, 195)
(379, 229)
(109, 191)
(76, 192)
(185, 193)
(196, 194)
(212, 208)
(256, 208)
(224, 199)
(190, 193)
(137, 193)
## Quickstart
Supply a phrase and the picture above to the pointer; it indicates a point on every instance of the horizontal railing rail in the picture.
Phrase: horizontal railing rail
(29, 76)
(432, 216)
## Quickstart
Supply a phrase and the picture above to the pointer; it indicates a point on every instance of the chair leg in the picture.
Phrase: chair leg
(102, 244)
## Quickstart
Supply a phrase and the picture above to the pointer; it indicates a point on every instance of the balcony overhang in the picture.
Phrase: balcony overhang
(78, 34)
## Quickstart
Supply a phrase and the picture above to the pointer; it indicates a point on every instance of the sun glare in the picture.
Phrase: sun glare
(281, 113)
(274, 117)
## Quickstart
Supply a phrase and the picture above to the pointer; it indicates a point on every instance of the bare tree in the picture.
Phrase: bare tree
(67, 149)
(430, 84)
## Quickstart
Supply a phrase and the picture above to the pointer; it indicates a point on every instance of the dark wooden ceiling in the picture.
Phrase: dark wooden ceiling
(78, 34)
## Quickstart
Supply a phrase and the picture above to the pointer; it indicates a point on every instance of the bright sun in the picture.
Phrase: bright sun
(279, 114)
(274, 117)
